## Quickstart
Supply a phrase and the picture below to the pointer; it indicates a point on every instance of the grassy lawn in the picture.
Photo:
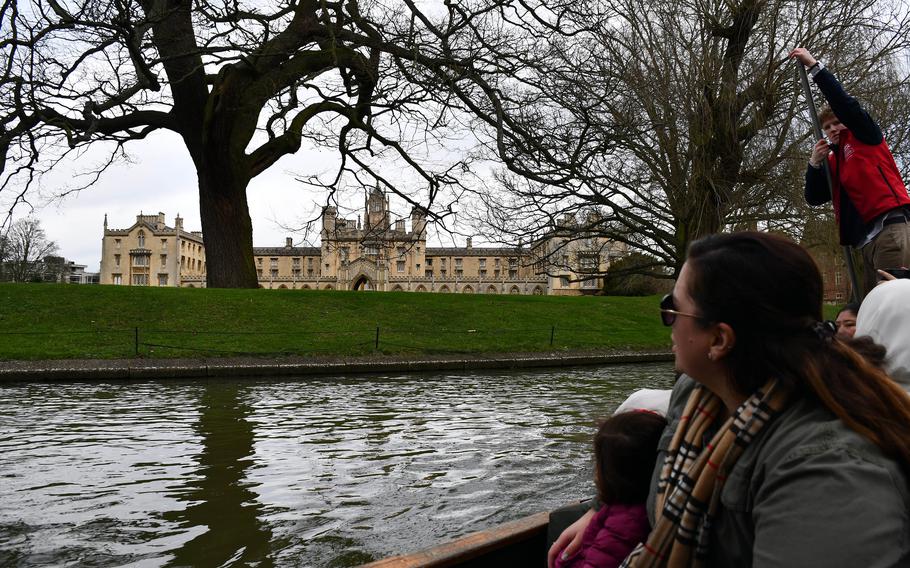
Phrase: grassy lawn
(47, 321)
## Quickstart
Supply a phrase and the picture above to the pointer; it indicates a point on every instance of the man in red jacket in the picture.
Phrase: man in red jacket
(871, 203)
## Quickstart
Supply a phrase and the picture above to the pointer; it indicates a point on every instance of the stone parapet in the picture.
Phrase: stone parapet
(144, 369)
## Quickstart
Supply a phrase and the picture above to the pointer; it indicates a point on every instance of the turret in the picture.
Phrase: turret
(418, 221)
(329, 215)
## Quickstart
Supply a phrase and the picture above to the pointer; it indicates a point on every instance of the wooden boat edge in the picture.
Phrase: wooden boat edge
(472, 546)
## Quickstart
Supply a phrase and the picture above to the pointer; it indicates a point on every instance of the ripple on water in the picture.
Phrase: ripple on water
(315, 472)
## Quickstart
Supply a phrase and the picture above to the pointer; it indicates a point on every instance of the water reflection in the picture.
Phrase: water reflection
(317, 472)
(220, 500)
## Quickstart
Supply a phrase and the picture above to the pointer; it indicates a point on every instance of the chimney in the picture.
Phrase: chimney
(288, 242)
(469, 242)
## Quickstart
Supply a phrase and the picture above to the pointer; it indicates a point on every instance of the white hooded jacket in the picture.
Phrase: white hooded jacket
(885, 317)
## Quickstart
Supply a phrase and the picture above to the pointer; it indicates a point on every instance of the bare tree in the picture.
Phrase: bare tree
(245, 84)
(25, 247)
(670, 120)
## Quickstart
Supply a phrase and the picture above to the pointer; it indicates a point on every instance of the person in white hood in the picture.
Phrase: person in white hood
(884, 316)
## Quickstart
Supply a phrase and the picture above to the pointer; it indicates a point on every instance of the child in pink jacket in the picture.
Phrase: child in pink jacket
(625, 450)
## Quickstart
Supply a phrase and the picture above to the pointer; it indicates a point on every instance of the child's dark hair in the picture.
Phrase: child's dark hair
(625, 451)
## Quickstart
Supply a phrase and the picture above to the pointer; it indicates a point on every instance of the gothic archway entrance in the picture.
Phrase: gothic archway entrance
(363, 283)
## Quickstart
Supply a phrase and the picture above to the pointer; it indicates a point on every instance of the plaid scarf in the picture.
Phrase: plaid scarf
(693, 475)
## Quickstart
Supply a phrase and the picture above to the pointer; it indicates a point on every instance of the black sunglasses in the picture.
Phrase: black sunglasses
(668, 311)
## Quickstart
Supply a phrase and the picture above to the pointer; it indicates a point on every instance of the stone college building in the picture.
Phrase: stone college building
(374, 254)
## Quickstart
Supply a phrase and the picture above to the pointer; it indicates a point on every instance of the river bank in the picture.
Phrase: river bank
(141, 368)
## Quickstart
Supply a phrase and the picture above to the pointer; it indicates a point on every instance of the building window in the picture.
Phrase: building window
(496, 274)
(589, 283)
(837, 277)
(163, 260)
(117, 244)
(259, 273)
(588, 262)
(399, 266)
(496, 262)
(457, 263)
(564, 282)
(483, 263)
(141, 239)
(459, 273)
(371, 250)
(402, 252)
(295, 262)
(309, 262)
(483, 273)
(162, 279)
(273, 263)
(442, 273)
(259, 260)
(274, 273)
(428, 273)
(429, 262)
(140, 279)
(118, 279)
(309, 272)
(345, 254)
(140, 260)
(296, 272)
(117, 260)
(513, 274)
(442, 261)
(163, 244)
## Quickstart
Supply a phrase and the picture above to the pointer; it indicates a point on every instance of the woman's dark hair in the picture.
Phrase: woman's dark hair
(769, 291)
(852, 307)
(625, 451)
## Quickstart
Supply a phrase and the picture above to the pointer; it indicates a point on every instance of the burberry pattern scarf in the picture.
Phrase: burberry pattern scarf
(693, 475)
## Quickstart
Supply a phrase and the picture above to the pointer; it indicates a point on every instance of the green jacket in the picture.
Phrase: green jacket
(808, 492)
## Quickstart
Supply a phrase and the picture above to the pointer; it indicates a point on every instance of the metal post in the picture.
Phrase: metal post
(552, 333)
(136, 341)
(377, 337)
(817, 127)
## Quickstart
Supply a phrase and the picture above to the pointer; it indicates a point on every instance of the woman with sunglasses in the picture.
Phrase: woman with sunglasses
(784, 446)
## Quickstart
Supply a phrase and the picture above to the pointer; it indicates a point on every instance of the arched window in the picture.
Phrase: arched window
(142, 239)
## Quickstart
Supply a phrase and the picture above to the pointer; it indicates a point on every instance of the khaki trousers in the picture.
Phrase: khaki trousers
(890, 249)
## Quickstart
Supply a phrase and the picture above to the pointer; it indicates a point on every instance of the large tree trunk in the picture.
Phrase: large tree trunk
(226, 228)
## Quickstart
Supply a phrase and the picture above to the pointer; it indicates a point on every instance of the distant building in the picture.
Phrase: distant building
(375, 253)
(820, 238)
(150, 253)
(72, 273)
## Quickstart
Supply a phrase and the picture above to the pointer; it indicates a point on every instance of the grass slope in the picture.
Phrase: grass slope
(46, 321)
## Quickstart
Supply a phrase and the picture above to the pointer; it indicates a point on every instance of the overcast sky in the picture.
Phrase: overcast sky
(162, 178)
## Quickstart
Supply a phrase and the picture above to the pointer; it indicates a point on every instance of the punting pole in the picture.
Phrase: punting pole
(848, 252)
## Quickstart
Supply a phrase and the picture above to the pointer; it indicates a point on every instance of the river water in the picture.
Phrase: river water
(285, 472)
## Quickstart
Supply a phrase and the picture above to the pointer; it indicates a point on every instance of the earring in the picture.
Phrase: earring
(710, 356)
